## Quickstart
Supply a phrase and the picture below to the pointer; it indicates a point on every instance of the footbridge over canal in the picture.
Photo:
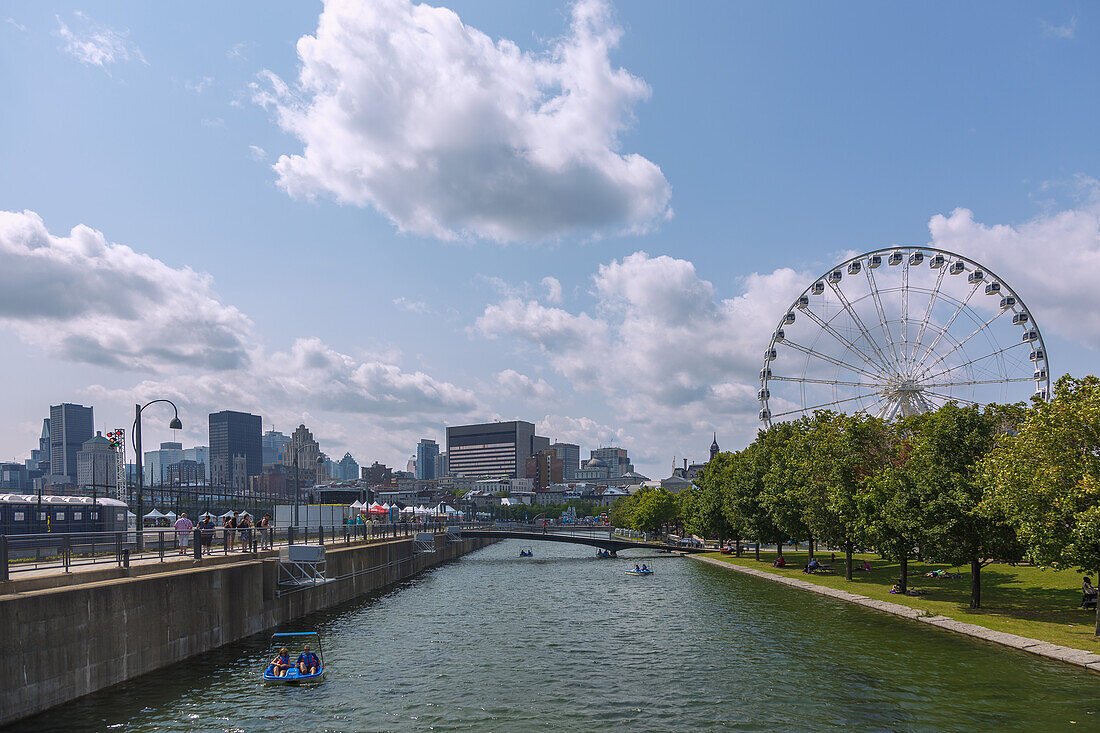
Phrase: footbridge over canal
(593, 536)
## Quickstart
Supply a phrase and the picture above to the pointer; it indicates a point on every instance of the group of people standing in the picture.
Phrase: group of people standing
(239, 531)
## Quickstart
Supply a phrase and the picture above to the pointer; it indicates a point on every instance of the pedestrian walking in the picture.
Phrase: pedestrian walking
(184, 527)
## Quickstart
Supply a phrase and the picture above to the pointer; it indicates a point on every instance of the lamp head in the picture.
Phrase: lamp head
(175, 424)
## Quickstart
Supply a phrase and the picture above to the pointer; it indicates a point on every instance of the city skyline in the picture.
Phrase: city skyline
(251, 272)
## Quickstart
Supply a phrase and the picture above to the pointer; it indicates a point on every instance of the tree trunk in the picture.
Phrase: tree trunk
(810, 544)
(903, 581)
(847, 560)
(738, 545)
(779, 549)
(758, 552)
(975, 583)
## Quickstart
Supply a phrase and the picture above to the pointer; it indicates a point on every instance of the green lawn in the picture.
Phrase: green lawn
(1029, 601)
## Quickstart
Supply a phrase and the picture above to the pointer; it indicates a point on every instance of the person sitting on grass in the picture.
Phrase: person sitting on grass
(780, 562)
(812, 566)
(281, 663)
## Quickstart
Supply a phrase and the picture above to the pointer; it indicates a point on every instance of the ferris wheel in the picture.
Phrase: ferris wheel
(900, 331)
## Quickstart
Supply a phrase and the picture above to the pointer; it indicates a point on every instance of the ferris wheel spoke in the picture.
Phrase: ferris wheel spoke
(885, 363)
(905, 310)
(881, 313)
(827, 328)
(823, 404)
(965, 364)
(959, 345)
(928, 311)
(947, 326)
(823, 381)
(949, 398)
(977, 381)
(830, 359)
(881, 400)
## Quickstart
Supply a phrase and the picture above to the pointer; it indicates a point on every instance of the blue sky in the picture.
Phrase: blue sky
(724, 140)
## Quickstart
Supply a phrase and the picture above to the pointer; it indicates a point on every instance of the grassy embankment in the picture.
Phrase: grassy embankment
(1024, 600)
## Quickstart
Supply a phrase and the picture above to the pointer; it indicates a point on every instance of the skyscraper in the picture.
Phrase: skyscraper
(427, 451)
(570, 455)
(156, 463)
(491, 450)
(303, 445)
(95, 466)
(236, 451)
(274, 443)
(70, 426)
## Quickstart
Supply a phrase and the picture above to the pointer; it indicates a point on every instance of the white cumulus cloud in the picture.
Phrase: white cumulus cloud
(521, 386)
(90, 300)
(1052, 261)
(403, 107)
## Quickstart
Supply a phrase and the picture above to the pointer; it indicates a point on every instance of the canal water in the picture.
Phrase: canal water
(566, 641)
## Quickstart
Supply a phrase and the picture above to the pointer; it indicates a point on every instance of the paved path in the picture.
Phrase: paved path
(149, 563)
(1077, 657)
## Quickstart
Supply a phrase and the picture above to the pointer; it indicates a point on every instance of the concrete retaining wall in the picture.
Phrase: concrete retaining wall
(66, 642)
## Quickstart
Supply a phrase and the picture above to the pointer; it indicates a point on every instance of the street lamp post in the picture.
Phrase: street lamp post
(320, 461)
(175, 424)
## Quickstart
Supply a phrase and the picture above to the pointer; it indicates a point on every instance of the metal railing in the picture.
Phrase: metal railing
(65, 551)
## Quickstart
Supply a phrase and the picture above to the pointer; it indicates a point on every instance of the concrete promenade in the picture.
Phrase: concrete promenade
(1077, 657)
(23, 580)
(65, 641)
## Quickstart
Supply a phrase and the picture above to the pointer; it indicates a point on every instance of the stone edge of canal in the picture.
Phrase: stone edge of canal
(1069, 655)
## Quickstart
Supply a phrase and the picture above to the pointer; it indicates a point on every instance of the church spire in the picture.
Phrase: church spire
(714, 447)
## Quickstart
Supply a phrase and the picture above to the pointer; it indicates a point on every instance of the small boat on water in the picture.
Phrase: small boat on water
(526, 553)
(293, 676)
(639, 572)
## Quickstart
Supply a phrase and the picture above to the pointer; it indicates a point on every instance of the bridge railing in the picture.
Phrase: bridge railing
(66, 550)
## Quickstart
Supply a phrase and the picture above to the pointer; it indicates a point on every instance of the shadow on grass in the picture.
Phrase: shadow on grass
(1020, 592)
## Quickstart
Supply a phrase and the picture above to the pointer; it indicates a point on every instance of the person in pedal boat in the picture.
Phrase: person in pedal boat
(281, 663)
(308, 663)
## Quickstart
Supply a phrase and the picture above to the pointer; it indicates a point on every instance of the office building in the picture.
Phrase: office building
(491, 450)
(96, 468)
(70, 426)
(198, 454)
(441, 467)
(427, 452)
(570, 455)
(156, 462)
(39, 462)
(377, 474)
(274, 446)
(186, 473)
(236, 450)
(13, 477)
(616, 459)
(544, 468)
(307, 450)
(347, 469)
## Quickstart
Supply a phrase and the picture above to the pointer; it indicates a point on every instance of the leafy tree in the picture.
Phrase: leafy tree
(651, 508)
(702, 505)
(743, 490)
(963, 526)
(839, 454)
(1046, 478)
(892, 501)
(785, 478)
